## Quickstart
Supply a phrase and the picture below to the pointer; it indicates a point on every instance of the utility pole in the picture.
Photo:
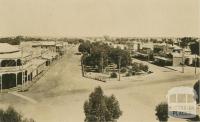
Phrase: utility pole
(195, 63)
(82, 65)
(22, 67)
(102, 62)
(183, 60)
(119, 67)
(199, 58)
(148, 55)
(199, 74)
(1, 82)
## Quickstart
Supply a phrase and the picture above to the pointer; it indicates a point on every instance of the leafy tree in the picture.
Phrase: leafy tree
(195, 48)
(100, 54)
(125, 57)
(11, 115)
(113, 107)
(84, 47)
(196, 88)
(162, 112)
(185, 41)
(100, 108)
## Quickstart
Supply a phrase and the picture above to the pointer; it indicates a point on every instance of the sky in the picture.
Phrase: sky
(62, 18)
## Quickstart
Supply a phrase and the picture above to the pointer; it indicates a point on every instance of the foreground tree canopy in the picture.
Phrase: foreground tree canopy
(196, 88)
(11, 115)
(162, 112)
(101, 108)
(100, 54)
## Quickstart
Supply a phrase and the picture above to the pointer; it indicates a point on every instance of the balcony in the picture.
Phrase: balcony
(10, 69)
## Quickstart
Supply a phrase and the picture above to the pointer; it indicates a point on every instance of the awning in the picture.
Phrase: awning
(162, 58)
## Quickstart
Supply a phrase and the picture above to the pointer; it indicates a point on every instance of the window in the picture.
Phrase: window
(8, 63)
(173, 98)
(181, 98)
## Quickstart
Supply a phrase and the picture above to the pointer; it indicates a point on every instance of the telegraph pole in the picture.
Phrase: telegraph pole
(183, 60)
(22, 67)
(102, 62)
(198, 57)
(1, 82)
(199, 74)
(195, 63)
(83, 74)
(119, 67)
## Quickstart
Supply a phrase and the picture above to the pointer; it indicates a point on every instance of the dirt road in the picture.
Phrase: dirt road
(60, 94)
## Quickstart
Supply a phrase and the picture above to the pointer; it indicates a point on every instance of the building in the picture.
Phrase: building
(163, 61)
(177, 59)
(50, 46)
(14, 66)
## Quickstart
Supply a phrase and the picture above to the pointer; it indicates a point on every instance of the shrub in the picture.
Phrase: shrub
(113, 75)
(100, 108)
(136, 67)
(133, 73)
(123, 70)
(145, 68)
(84, 47)
(162, 112)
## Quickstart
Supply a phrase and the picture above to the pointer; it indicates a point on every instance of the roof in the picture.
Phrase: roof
(181, 90)
(160, 44)
(7, 48)
(14, 55)
(48, 43)
(176, 47)
(59, 45)
(44, 43)
(192, 56)
(37, 62)
(49, 55)
(162, 58)
(187, 50)
(142, 54)
(147, 45)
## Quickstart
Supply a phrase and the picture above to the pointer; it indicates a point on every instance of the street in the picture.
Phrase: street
(60, 94)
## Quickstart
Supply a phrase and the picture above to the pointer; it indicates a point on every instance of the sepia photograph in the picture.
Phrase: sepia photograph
(99, 61)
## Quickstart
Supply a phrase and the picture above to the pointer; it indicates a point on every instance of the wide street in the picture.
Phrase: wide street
(60, 94)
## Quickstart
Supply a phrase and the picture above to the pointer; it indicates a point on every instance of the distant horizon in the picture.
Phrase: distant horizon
(58, 37)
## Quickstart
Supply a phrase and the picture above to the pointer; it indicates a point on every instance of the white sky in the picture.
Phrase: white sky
(99, 17)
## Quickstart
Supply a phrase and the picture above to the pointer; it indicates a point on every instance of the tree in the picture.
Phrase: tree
(195, 48)
(113, 107)
(11, 115)
(162, 112)
(125, 57)
(196, 88)
(84, 47)
(101, 54)
(185, 41)
(100, 108)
